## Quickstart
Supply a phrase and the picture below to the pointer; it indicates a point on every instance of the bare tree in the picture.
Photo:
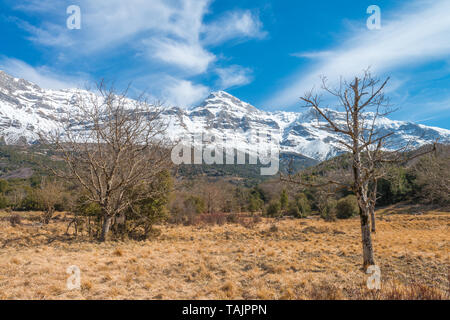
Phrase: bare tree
(363, 103)
(433, 177)
(49, 194)
(213, 194)
(114, 148)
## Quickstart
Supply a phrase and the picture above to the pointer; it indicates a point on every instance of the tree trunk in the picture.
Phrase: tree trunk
(368, 259)
(105, 229)
(372, 219)
(373, 200)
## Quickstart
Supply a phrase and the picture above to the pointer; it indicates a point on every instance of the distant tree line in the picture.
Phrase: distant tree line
(425, 181)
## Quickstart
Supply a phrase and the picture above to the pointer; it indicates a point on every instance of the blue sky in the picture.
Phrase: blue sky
(266, 52)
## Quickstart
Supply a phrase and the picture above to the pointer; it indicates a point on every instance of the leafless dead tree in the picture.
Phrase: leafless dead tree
(433, 177)
(363, 102)
(114, 148)
(49, 194)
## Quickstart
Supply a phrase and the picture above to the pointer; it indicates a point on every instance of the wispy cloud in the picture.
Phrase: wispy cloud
(233, 25)
(42, 76)
(191, 57)
(170, 40)
(170, 31)
(233, 76)
(182, 93)
(427, 109)
(414, 35)
(313, 55)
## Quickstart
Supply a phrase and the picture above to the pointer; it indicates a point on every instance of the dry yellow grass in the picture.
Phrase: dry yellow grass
(299, 259)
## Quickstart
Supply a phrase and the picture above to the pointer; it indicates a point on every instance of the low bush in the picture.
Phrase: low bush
(347, 207)
(15, 220)
(273, 209)
(328, 210)
(299, 207)
(3, 202)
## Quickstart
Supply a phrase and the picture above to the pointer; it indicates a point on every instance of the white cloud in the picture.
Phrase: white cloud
(42, 76)
(183, 93)
(191, 57)
(109, 23)
(170, 31)
(37, 6)
(236, 24)
(313, 55)
(169, 37)
(419, 33)
(233, 76)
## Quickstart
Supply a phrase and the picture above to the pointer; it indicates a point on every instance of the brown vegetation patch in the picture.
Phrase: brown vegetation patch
(301, 259)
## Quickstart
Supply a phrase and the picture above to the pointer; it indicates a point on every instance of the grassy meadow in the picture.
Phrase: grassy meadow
(267, 259)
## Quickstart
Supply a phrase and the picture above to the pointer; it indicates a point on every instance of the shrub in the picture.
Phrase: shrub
(293, 210)
(300, 207)
(186, 211)
(232, 218)
(144, 214)
(328, 210)
(395, 186)
(31, 201)
(347, 207)
(303, 204)
(429, 184)
(88, 209)
(255, 203)
(249, 222)
(15, 220)
(3, 186)
(195, 203)
(284, 199)
(3, 202)
(273, 209)
(213, 218)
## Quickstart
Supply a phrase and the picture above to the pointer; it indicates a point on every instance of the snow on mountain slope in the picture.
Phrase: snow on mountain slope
(26, 109)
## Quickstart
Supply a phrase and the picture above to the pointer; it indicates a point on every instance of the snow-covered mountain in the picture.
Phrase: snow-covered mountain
(26, 108)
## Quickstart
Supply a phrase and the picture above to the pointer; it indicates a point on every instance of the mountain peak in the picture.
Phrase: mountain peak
(25, 109)
(221, 94)
(11, 83)
(6, 77)
(222, 100)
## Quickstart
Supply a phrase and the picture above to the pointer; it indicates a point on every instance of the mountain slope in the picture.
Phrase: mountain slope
(26, 108)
